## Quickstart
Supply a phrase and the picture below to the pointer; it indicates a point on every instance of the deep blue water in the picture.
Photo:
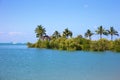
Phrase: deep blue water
(17, 62)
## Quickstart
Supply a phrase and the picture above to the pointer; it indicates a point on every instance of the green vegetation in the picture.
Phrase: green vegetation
(67, 42)
(112, 32)
(67, 33)
(40, 31)
(101, 31)
(88, 34)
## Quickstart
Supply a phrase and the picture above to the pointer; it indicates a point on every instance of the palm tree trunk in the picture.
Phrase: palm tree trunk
(67, 36)
(90, 37)
(39, 37)
(100, 36)
(111, 37)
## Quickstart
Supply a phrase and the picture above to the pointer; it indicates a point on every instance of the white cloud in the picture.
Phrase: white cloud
(15, 33)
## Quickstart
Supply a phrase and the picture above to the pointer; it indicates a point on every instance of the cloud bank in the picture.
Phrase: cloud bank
(15, 33)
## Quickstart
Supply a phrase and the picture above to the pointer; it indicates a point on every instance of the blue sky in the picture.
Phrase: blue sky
(19, 18)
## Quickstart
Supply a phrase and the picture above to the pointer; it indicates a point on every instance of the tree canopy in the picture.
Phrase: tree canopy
(101, 31)
(40, 31)
(67, 42)
(112, 32)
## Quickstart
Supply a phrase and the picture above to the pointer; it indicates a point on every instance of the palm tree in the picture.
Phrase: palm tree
(88, 34)
(56, 34)
(101, 31)
(67, 33)
(40, 31)
(112, 32)
(70, 34)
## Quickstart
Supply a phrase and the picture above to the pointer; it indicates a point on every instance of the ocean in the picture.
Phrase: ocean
(17, 62)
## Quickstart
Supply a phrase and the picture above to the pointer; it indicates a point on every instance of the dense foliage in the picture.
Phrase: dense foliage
(66, 42)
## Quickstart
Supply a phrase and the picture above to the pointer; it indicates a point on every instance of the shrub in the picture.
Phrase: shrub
(116, 45)
(100, 45)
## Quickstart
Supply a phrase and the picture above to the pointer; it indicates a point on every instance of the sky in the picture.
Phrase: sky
(19, 18)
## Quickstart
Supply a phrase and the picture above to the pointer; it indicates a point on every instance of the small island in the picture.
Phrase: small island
(65, 41)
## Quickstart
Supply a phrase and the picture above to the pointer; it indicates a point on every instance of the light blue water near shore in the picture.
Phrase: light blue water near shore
(17, 62)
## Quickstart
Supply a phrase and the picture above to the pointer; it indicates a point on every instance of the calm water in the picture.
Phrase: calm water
(17, 62)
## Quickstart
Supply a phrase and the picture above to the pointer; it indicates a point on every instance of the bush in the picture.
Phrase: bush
(116, 45)
(77, 44)
(100, 45)
(30, 45)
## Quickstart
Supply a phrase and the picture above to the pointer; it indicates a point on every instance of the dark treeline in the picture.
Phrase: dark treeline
(65, 41)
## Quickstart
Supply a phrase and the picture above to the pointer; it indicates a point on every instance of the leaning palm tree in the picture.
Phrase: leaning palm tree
(40, 31)
(88, 34)
(112, 32)
(56, 34)
(101, 31)
(67, 33)
(70, 34)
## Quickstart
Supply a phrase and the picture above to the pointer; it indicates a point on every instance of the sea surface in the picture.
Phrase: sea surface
(17, 62)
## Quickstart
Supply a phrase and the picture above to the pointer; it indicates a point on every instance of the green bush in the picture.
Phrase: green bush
(100, 45)
(30, 45)
(70, 44)
(116, 45)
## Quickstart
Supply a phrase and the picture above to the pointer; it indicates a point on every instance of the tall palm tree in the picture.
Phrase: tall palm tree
(56, 34)
(101, 31)
(112, 32)
(67, 33)
(88, 34)
(70, 34)
(40, 31)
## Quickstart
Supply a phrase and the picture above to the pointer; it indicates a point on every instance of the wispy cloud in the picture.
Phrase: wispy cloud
(15, 33)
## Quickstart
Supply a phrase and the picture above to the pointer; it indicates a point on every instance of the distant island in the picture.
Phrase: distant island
(13, 43)
(65, 41)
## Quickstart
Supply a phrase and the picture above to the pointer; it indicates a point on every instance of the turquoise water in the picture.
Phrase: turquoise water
(17, 62)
